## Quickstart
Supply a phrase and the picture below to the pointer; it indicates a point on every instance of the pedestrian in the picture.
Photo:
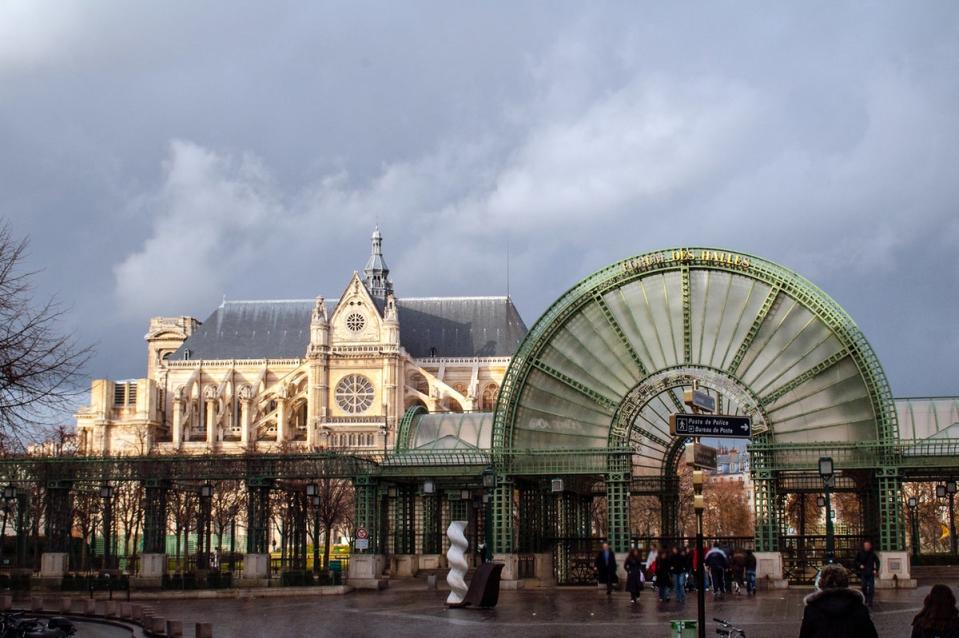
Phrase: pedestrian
(717, 562)
(605, 568)
(939, 617)
(868, 563)
(661, 567)
(738, 565)
(750, 573)
(678, 571)
(834, 610)
(635, 576)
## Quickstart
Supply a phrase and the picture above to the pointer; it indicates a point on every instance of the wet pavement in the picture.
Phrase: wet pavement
(96, 630)
(529, 614)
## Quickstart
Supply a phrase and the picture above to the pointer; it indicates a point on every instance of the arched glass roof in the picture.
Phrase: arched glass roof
(608, 363)
(928, 417)
(451, 431)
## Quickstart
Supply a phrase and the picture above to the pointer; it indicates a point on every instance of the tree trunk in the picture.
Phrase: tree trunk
(327, 532)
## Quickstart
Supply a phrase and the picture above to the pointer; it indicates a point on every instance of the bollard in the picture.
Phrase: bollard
(110, 608)
(126, 611)
(6, 601)
(89, 607)
(204, 630)
(65, 604)
(174, 629)
(36, 603)
(136, 612)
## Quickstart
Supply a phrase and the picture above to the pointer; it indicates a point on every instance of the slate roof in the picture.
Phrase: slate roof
(436, 326)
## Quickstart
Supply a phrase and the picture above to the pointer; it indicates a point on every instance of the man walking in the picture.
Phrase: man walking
(868, 563)
(717, 562)
(605, 568)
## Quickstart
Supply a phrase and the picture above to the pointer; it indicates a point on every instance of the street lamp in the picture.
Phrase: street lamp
(489, 484)
(429, 487)
(699, 504)
(106, 493)
(203, 527)
(912, 502)
(9, 495)
(821, 501)
(384, 431)
(313, 493)
(951, 490)
(827, 473)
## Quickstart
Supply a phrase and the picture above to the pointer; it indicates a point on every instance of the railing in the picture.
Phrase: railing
(803, 556)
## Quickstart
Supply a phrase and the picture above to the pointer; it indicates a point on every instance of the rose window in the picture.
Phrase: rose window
(355, 322)
(354, 393)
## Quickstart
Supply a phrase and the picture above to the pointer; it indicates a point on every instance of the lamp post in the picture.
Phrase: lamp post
(313, 493)
(827, 473)
(489, 484)
(699, 504)
(384, 430)
(203, 527)
(951, 490)
(9, 495)
(912, 502)
(106, 493)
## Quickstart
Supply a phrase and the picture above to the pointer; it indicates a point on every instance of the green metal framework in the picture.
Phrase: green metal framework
(610, 354)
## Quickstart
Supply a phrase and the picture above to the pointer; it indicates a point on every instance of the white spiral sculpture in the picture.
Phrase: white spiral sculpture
(456, 556)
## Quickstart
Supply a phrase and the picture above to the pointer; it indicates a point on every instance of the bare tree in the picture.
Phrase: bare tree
(336, 509)
(38, 363)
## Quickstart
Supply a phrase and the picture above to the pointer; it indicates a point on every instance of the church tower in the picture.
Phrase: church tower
(377, 274)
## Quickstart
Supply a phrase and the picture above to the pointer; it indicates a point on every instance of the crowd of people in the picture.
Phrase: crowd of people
(833, 610)
(671, 571)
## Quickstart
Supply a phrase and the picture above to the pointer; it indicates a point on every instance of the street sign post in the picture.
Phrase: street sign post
(362, 539)
(715, 425)
(698, 399)
(701, 457)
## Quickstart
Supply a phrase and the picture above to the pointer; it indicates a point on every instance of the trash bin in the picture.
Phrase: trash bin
(683, 629)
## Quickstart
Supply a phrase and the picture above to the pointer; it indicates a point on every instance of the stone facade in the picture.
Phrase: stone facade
(305, 374)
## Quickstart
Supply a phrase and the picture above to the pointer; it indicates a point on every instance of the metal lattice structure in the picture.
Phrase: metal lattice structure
(607, 363)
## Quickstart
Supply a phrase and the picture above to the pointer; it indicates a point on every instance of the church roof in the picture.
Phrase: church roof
(435, 326)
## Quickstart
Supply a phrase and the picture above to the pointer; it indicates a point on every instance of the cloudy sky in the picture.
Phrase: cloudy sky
(162, 155)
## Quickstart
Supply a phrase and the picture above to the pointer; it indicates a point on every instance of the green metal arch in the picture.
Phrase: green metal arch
(406, 427)
(779, 279)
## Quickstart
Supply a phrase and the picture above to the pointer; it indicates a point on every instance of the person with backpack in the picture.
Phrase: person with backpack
(717, 562)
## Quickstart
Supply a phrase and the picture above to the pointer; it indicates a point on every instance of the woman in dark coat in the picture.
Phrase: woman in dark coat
(939, 617)
(834, 610)
(634, 574)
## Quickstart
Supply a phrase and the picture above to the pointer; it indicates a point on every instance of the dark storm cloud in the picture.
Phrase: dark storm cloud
(163, 156)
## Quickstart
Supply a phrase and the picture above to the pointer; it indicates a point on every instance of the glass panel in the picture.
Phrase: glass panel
(745, 299)
(759, 349)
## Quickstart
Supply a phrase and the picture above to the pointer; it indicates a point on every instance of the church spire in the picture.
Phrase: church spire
(377, 274)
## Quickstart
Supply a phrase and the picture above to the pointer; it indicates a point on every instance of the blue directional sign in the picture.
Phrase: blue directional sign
(715, 425)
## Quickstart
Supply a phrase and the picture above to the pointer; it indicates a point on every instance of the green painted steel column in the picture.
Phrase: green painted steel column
(767, 512)
(892, 531)
(503, 516)
(669, 507)
(258, 515)
(617, 504)
(366, 510)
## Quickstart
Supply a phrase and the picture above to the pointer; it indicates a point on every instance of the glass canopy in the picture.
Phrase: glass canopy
(609, 362)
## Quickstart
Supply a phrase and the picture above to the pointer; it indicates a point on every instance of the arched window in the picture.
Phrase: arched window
(418, 381)
(490, 393)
